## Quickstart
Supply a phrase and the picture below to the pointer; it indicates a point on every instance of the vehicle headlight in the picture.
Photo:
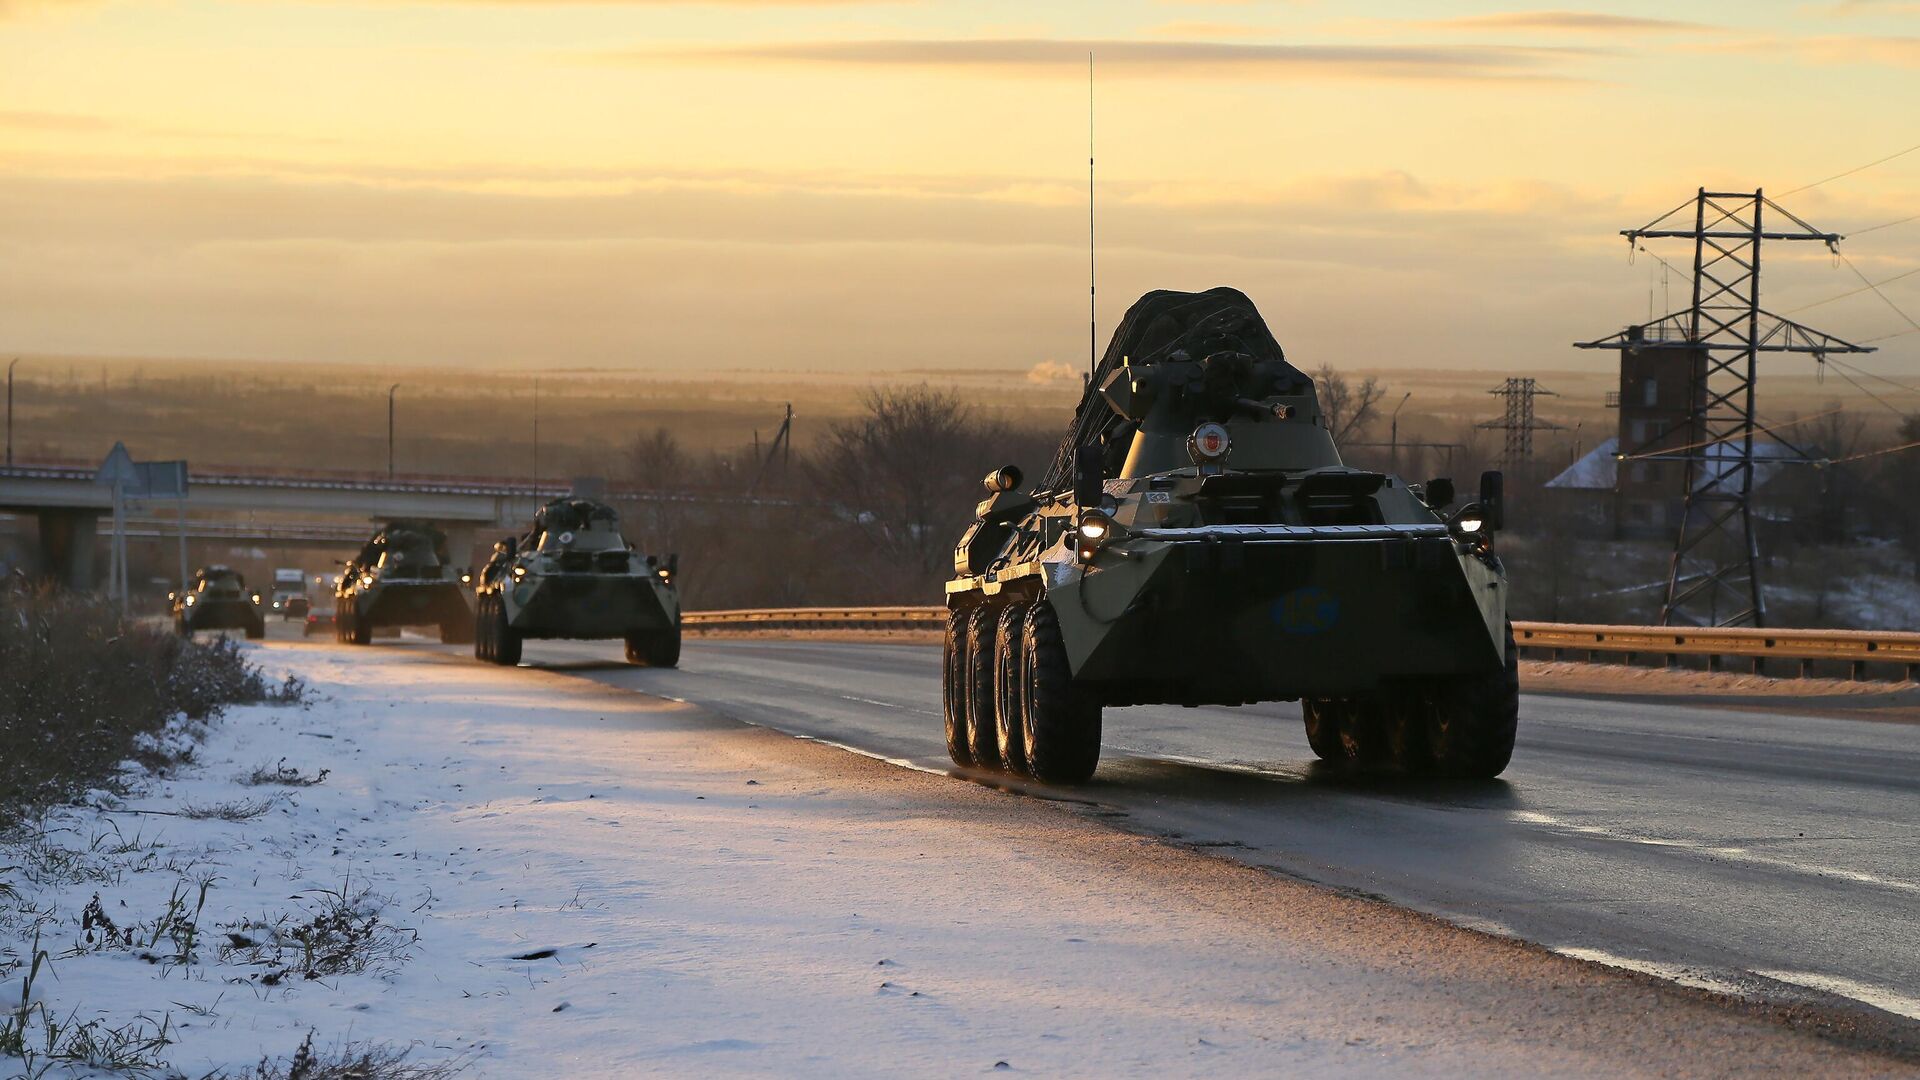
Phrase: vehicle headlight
(519, 572)
(1094, 529)
(191, 599)
(1469, 522)
(366, 581)
(466, 579)
(256, 598)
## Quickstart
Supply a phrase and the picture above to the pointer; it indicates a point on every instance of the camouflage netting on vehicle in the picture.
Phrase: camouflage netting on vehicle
(1166, 325)
(409, 541)
(574, 514)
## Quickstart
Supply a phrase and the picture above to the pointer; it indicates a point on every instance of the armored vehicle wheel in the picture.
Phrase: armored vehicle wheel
(953, 687)
(256, 630)
(359, 631)
(982, 729)
(183, 628)
(506, 640)
(1406, 733)
(1471, 723)
(1365, 729)
(1060, 721)
(482, 631)
(456, 632)
(1009, 736)
(655, 648)
(1323, 727)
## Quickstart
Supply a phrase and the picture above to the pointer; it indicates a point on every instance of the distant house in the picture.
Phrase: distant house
(1634, 495)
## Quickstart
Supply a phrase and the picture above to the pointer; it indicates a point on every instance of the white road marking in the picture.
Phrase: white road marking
(1876, 996)
(1673, 973)
(1735, 854)
(902, 762)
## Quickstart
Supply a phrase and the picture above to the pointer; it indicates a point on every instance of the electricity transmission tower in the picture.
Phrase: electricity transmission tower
(781, 447)
(1714, 576)
(1519, 422)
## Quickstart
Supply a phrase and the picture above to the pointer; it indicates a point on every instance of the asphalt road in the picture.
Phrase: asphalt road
(1770, 855)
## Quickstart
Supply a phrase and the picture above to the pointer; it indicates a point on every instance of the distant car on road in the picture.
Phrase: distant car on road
(218, 600)
(293, 607)
(319, 621)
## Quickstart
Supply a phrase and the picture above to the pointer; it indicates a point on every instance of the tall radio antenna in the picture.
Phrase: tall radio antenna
(1093, 318)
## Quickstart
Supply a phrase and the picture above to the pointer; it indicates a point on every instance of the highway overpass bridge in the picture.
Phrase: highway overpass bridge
(68, 504)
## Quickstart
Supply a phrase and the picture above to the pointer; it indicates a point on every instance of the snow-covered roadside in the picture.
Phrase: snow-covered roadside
(546, 877)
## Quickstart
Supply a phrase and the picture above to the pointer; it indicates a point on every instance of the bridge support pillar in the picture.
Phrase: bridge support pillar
(66, 547)
(460, 542)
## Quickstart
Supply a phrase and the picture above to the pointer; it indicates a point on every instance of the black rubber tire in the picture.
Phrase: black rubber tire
(480, 628)
(1322, 718)
(982, 728)
(359, 631)
(256, 630)
(1471, 723)
(183, 628)
(1059, 720)
(507, 641)
(656, 648)
(1364, 733)
(1009, 730)
(953, 687)
(1405, 723)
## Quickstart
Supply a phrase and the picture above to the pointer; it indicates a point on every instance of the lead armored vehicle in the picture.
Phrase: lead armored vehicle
(574, 575)
(1198, 541)
(218, 600)
(402, 577)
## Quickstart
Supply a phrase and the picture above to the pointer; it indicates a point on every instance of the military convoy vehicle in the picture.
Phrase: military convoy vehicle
(218, 600)
(1198, 541)
(575, 576)
(402, 577)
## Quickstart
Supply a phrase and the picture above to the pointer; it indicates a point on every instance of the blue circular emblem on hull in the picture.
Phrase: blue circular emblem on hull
(1308, 610)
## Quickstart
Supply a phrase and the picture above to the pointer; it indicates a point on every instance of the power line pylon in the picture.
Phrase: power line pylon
(1714, 576)
(1519, 422)
(782, 442)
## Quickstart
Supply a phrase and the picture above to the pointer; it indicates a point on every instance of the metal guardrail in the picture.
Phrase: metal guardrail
(1854, 650)
(818, 618)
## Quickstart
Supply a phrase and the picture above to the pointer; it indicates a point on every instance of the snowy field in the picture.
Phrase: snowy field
(519, 873)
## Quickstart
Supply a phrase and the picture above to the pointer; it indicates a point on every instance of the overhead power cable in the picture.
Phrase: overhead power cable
(1876, 291)
(1855, 169)
(1884, 225)
(1858, 385)
(1718, 439)
(1873, 453)
(1856, 292)
(1858, 370)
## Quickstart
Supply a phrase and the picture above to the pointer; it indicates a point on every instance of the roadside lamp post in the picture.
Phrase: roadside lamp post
(10, 367)
(1393, 435)
(390, 391)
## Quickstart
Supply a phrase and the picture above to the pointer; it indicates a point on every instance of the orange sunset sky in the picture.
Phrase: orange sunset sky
(874, 187)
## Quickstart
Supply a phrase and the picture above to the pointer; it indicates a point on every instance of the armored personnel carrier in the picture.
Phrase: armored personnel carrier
(218, 600)
(1197, 541)
(575, 576)
(402, 577)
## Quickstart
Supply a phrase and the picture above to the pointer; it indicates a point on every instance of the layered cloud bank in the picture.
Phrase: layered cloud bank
(869, 187)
